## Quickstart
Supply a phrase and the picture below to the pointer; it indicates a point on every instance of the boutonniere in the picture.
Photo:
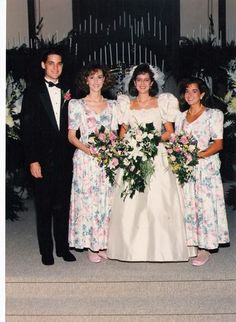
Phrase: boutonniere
(66, 96)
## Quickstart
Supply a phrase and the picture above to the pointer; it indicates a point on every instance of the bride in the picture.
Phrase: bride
(150, 226)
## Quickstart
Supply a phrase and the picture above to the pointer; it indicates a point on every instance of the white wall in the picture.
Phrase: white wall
(17, 23)
(57, 19)
(194, 20)
(231, 20)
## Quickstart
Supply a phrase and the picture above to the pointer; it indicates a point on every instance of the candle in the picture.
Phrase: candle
(200, 31)
(165, 35)
(85, 25)
(76, 49)
(101, 26)
(132, 35)
(96, 26)
(129, 20)
(80, 27)
(111, 60)
(134, 54)
(83, 63)
(137, 28)
(155, 60)
(145, 55)
(19, 40)
(142, 27)
(154, 26)
(94, 55)
(129, 53)
(193, 33)
(100, 55)
(56, 38)
(116, 53)
(150, 57)
(159, 30)
(105, 54)
(89, 58)
(162, 65)
(119, 20)
(123, 52)
(148, 20)
(114, 24)
(90, 24)
(124, 19)
(140, 54)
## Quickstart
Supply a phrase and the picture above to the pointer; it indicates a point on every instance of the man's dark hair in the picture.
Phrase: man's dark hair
(52, 51)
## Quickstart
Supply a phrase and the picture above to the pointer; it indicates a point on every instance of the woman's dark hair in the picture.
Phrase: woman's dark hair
(91, 68)
(202, 88)
(143, 69)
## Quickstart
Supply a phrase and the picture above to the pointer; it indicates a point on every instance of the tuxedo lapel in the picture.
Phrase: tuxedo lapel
(47, 104)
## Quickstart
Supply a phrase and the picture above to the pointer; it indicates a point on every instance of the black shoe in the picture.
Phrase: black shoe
(67, 256)
(47, 260)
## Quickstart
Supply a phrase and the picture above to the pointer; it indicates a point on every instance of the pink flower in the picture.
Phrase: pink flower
(93, 150)
(112, 136)
(67, 96)
(184, 140)
(102, 137)
(189, 157)
(115, 162)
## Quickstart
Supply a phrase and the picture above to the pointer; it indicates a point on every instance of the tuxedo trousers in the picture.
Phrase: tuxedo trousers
(52, 198)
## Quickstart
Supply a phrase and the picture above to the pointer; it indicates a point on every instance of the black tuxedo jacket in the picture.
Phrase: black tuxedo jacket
(43, 141)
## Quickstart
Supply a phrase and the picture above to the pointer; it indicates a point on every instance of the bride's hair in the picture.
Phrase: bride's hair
(143, 69)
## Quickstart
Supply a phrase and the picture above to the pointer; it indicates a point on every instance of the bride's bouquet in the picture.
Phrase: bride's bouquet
(182, 153)
(139, 147)
(104, 146)
(134, 155)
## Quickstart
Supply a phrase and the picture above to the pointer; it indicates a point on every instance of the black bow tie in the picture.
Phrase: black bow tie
(51, 84)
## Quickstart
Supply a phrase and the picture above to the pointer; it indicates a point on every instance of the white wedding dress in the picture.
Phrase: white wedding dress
(150, 226)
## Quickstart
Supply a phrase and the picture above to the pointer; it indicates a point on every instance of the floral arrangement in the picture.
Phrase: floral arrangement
(14, 95)
(134, 155)
(182, 153)
(139, 148)
(104, 145)
(230, 100)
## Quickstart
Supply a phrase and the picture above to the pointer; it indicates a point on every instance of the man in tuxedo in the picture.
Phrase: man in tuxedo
(48, 154)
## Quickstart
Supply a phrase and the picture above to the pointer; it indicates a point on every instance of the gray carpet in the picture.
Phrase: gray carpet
(113, 290)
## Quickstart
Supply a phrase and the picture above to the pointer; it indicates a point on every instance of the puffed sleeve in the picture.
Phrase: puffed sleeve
(114, 121)
(216, 124)
(169, 107)
(74, 114)
(123, 109)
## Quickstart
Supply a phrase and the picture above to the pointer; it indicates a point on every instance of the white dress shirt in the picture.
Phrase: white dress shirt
(55, 96)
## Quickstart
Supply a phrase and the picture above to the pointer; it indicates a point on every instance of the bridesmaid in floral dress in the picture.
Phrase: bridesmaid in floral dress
(91, 192)
(205, 215)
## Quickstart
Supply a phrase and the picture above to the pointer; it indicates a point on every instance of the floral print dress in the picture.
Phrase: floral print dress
(205, 215)
(90, 204)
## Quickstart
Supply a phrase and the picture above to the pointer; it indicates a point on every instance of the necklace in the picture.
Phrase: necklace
(99, 100)
(143, 103)
(192, 113)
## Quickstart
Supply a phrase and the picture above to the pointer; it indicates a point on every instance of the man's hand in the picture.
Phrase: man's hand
(35, 170)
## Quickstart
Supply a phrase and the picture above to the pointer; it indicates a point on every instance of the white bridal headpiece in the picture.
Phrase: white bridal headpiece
(158, 76)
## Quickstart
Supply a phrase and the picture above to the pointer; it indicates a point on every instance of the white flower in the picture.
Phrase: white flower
(228, 123)
(150, 136)
(9, 119)
(126, 162)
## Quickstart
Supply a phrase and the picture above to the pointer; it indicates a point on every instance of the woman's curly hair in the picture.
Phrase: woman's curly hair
(91, 68)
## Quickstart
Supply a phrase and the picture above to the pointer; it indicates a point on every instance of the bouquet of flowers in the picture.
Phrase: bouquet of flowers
(139, 147)
(182, 153)
(105, 148)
